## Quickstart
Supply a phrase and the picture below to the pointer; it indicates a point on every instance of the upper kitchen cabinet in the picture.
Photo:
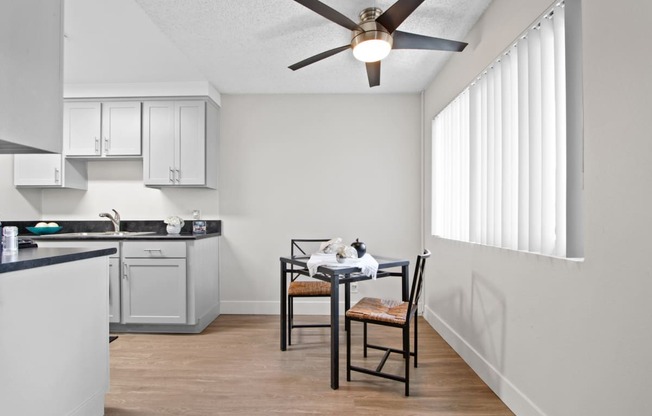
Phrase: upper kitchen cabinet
(180, 140)
(121, 128)
(49, 171)
(31, 78)
(107, 129)
(82, 128)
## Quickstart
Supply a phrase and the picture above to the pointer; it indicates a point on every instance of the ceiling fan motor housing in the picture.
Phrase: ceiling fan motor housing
(371, 30)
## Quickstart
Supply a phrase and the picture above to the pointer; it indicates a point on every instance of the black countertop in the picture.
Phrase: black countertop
(29, 258)
(71, 230)
(78, 236)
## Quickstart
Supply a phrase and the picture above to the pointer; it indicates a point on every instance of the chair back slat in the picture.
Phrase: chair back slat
(417, 283)
(303, 247)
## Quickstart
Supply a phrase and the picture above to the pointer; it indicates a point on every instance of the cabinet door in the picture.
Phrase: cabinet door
(154, 291)
(82, 128)
(158, 142)
(114, 289)
(190, 133)
(37, 170)
(121, 128)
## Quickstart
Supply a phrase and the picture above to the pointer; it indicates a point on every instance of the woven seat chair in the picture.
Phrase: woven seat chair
(397, 314)
(308, 288)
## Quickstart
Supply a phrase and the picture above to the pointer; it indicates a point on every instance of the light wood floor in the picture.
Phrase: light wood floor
(235, 367)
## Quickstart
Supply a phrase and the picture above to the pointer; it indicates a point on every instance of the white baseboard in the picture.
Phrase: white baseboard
(301, 307)
(518, 403)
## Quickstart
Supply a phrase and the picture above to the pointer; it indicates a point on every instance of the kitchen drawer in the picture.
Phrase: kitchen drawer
(154, 249)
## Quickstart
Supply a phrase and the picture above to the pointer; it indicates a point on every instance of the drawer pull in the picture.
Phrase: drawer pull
(149, 250)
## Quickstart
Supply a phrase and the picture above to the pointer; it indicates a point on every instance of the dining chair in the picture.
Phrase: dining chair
(393, 313)
(304, 287)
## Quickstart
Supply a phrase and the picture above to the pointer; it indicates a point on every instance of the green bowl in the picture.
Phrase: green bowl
(43, 230)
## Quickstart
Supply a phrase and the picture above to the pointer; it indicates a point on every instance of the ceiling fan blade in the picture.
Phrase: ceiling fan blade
(405, 40)
(318, 57)
(373, 73)
(397, 13)
(329, 13)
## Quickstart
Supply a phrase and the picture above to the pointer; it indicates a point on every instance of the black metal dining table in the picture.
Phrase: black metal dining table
(337, 275)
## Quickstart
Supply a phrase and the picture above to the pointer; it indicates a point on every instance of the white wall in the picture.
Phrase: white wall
(314, 166)
(119, 185)
(551, 336)
(111, 185)
(110, 42)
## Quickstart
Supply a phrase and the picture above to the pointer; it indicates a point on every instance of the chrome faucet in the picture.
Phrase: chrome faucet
(115, 219)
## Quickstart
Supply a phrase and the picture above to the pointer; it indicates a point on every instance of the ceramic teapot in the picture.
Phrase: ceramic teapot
(360, 247)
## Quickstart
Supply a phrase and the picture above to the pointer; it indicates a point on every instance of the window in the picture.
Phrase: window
(506, 162)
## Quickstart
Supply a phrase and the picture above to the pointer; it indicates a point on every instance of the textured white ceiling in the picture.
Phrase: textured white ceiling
(245, 46)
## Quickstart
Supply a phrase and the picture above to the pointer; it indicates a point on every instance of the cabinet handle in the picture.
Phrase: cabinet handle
(149, 250)
(171, 175)
(106, 145)
(97, 145)
(57, 175)
(178, 175)
(125, 269)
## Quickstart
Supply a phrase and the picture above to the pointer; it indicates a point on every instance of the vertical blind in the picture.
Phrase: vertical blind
(499, 149)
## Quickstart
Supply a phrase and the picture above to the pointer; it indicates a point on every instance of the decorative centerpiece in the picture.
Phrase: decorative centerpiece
(345, 252)
(44, 228)
(341, 250)
(360, 247)
(174, 224)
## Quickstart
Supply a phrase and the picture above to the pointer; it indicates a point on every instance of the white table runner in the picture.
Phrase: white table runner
(366, 263)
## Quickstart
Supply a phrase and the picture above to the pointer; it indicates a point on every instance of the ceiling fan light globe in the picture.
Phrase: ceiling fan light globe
(372, 45)
(371, 50)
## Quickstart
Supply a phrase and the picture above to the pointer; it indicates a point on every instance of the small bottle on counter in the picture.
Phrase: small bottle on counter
(9, 239)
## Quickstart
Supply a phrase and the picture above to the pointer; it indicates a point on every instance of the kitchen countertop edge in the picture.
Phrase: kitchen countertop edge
(30, 258)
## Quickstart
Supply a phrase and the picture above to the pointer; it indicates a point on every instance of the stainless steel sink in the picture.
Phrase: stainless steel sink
(107, 234)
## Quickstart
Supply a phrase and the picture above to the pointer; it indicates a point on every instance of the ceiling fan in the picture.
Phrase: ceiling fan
(375, 35)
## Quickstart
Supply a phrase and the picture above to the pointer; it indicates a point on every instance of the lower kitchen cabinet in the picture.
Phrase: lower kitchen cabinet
(154, 282)
(159, 285)
(154, 291)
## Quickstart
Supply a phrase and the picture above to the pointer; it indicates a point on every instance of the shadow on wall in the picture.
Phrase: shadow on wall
(482, 318)
(488, 317)
(32, 197)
